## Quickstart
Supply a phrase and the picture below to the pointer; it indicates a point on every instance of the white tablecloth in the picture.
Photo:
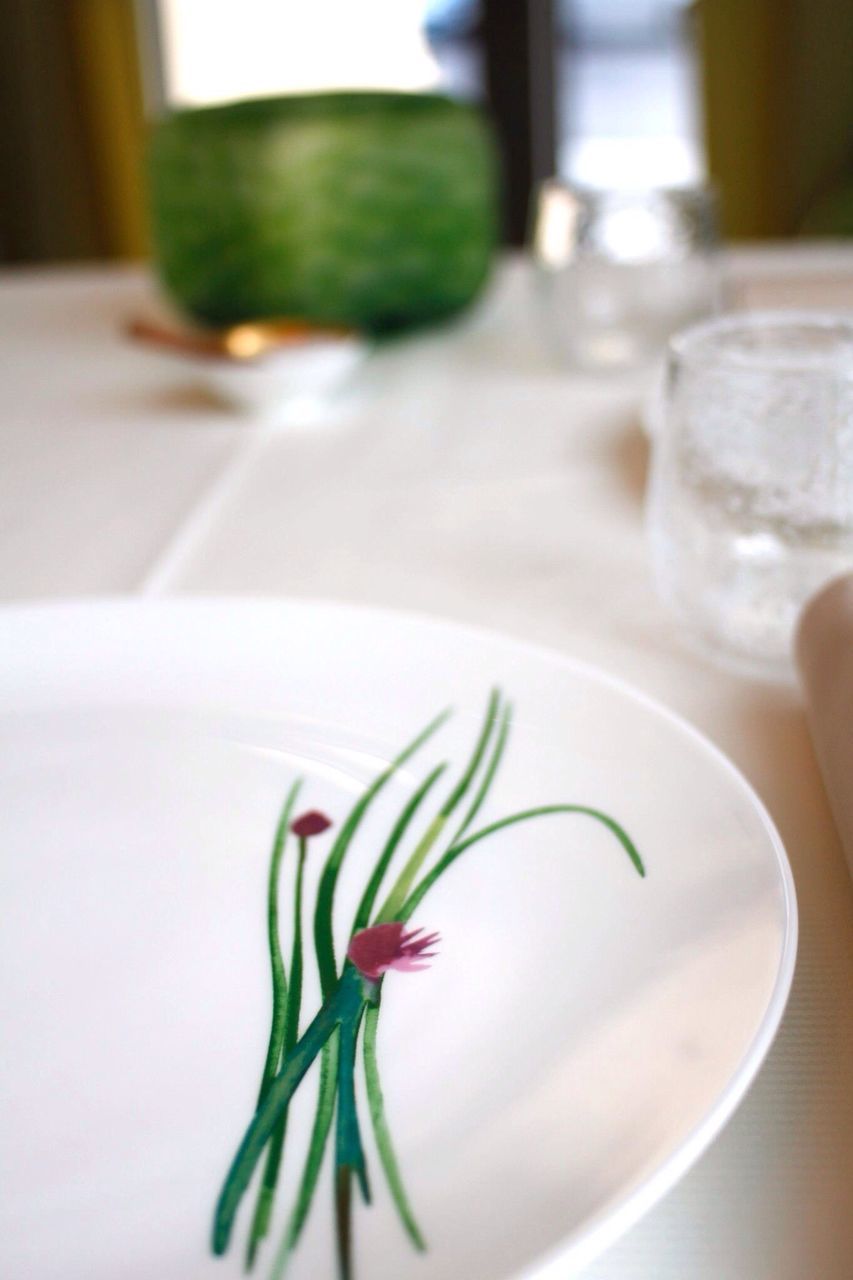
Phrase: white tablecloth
(471, 480)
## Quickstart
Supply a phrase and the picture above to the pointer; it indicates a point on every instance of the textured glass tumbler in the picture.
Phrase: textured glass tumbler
(750, 505)
(619, 271)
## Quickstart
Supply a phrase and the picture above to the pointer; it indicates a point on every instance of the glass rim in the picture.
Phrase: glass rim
(694, 344)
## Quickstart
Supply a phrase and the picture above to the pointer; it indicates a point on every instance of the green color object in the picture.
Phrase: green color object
(372, 210)
(460, 790)
(406, 878)
(317, 1146)
(349, 998)
(489, 775)
(323, 941)
(279, 979)
(350, 1151)
(455, 851)
(266, 1193)
(343, 1005)
(381, 1129)
(382, 1133)
(327, 966)
(294, 1003)
(362, 915)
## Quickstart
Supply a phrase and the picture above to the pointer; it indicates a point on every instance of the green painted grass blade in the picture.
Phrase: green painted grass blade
(266, 1191)
(323, 936)
(349, 1149)
(460, 790)
(344, 999)
(389, 911)
(456, 850)
(489, 776)
(382, 1133)
(395, 899)
(365, 907)
(294, 1003)
(279, 978)
(392, 904)
(349, 1153)
(314, 1161)
(324, 947)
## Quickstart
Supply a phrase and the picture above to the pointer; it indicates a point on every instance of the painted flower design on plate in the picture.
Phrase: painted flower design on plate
(381, 942)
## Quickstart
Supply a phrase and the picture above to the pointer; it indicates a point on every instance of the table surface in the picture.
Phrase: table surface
(469, 479)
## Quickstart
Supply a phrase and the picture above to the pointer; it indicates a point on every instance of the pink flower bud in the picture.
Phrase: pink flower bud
(382, 947)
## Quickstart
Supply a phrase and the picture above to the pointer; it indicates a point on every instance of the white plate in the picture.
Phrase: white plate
(581, 1037)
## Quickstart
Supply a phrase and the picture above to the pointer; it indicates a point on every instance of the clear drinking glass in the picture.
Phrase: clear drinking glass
(619, 271)
(751, 496)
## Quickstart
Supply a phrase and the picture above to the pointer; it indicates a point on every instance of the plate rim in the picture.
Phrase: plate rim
(588, 1241)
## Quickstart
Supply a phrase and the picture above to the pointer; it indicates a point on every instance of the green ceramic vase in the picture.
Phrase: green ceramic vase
(372, 210)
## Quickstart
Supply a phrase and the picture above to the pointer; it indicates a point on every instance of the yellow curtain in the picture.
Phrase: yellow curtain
(105, 66)
(71, 131)
(778, 100)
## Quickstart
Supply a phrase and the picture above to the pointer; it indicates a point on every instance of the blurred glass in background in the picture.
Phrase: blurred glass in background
(621, 269)
(751, 498)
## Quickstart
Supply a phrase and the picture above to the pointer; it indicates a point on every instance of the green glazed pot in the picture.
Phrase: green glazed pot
(374, 210)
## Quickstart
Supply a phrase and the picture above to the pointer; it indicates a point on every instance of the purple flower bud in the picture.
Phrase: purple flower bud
(312, 823)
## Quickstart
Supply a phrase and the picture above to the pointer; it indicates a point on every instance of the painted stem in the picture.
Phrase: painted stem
(319, 1136)
(489, 775)
(326, 964)
(323, 939)
(374, 1089)
(365, 907)
(406, 878)
(266, 1191)
(461, 788)
(341, 1004)
(381, 1128)
(279, 979)
(334, 1031)
(455, 851)
(348, 1145)
(382, 1133)
(349, 1153)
